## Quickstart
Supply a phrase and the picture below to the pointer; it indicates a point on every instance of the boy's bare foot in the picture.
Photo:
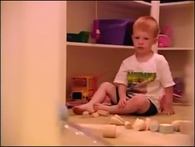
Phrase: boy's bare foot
(101, 107)
(85, 107)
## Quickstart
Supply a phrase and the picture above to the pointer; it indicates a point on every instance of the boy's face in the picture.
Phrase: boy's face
(143, 41)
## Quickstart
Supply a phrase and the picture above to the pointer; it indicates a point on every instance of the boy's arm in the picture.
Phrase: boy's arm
(168, 83)
(122, 90)
(121, 80)
(169, 95)
(168, 108)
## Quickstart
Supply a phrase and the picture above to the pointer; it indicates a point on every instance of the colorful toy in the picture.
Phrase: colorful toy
(165, 38)
(82, 89)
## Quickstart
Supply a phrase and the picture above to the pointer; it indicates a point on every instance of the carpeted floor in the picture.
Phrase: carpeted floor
(182, 112)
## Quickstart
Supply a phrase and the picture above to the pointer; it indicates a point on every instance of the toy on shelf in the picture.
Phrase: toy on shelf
(165, 37)
(82, 36)
(104, 29)
(82, 89)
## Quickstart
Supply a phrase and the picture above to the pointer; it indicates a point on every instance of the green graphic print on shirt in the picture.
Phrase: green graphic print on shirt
(137, 81)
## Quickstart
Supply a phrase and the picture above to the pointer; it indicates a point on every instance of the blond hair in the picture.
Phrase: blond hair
(147, 23)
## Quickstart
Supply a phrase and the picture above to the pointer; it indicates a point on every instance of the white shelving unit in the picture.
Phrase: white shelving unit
(84, 58)
(180, 17)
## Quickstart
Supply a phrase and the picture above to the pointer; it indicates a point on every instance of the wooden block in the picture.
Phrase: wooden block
(95, 114)
(137, 119)
(139, 125)
(103, 113)
(120, 118)
(166, 128)
(186, 127)
(176, 124)
(128, 125)
(85, 114)
(109, 131)
(116, 121)
(154, 126)
(147, 121)
(182, 126)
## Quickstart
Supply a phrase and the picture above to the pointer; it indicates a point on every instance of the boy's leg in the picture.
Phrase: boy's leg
(105, 89)
(138, 104)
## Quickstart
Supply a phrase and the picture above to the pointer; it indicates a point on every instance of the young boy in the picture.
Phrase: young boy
(141, 81)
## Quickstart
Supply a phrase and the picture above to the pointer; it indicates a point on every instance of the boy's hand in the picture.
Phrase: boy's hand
(168, 110)
(122, 102)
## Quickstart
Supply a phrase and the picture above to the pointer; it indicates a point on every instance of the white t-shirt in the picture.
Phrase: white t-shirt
(149, 78)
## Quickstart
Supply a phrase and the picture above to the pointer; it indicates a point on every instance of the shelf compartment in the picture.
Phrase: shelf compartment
(181, 21)
(80, 15)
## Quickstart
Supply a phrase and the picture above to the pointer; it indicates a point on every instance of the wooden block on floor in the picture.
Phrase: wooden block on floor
(147, 121)
(95, 114)
(176, 124)
(166, 128)
(103, 113)
(154, 126)
(109, 131)
(128, 125)
(120, 118)
(139, 125)
(85, 114)
(116, 121)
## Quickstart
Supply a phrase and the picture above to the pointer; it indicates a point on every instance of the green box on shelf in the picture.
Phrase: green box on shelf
(82, 36)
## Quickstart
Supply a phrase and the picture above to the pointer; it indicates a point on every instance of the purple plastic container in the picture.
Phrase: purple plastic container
(114, 31)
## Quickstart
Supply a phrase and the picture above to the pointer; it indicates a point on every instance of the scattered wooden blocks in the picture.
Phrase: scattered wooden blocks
(166, 128)
(109, 131)
(116, 121)
(135, 121)
(147, 121)
(120, 118)
(85, 114)
(176, 124)
(95, 114)
(128, 125)
(139, 125)
(103, 113)
(182, 126)
(154, 126)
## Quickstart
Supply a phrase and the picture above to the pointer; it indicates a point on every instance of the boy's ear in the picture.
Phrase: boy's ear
(155, 40)
(132, 36)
